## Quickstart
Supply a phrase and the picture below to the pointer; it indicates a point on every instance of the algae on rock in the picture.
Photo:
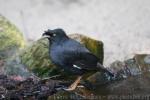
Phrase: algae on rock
(36, 58)
(11, 39)
(95, 46)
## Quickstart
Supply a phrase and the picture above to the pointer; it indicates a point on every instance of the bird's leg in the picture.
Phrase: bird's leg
(74, 85)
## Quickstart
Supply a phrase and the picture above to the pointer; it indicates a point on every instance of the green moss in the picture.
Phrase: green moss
(10, 38)
(36, 58)
(96, 47)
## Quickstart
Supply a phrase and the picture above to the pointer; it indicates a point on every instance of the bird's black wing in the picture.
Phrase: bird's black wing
(87, 61)
(79, 56)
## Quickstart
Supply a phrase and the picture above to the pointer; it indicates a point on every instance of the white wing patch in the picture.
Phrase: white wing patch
(76, 66)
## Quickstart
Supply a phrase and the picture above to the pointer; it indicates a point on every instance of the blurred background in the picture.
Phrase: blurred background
(123, 25)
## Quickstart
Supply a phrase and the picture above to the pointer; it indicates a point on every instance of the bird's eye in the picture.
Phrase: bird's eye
(54, 34)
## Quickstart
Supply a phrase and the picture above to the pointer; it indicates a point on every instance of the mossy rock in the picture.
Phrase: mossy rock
(11, 39)
(36, 57)
(95, 46)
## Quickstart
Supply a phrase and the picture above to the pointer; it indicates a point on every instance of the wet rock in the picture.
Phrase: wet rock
(11, 39)
(36, 57)
(143, 61)
(118, 68)
(132, 66)
(147, 59)
(132, 85)
(98, 79)
(122, 70)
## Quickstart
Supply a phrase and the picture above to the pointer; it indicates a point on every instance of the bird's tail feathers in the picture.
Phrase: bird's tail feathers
(103, 69)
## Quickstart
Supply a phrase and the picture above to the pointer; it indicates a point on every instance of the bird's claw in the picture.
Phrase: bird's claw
(72, 88)
(66, 89)
(69, 89)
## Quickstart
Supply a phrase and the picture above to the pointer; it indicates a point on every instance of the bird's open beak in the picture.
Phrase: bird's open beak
(46, 35)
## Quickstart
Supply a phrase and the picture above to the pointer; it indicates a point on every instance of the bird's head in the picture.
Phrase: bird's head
(55, 35)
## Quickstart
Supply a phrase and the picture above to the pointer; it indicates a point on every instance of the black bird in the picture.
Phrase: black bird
(72, 56)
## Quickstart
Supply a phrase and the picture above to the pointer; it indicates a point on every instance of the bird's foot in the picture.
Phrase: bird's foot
(74, 85)
(70, 88)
